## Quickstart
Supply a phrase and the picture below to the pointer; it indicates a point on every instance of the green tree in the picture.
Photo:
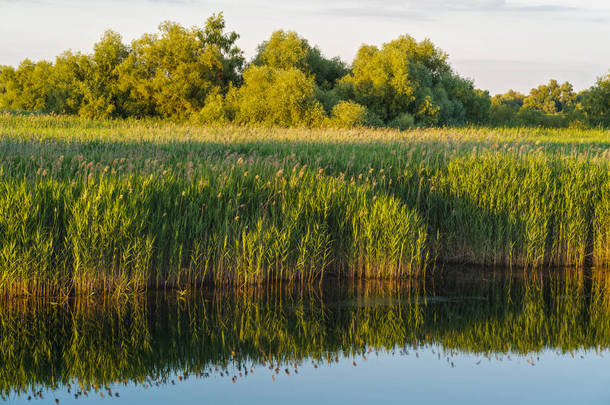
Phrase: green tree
(3, 80)
(551, 98)
(347, 114)
(27, 87)
(67, 83)
(171, 74)
(43, 86)
(282, 97)
(596, 102)
(231, 57)
(413, 78)
(460, 102)
(214, 111)
(7, 86)
(102, 95)
(286, 49)
(504, 108)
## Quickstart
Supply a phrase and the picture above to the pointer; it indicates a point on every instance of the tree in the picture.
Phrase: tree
(102, 96)
(231, 57)
(347, 114)
(214, 111)
(286, 49)
(596, 102)
(460, 102)
(551, 98)
(43, 86)
(67, 83)
(198, 74)
(3, 80)
(408, 80)
(27, 87)
(504, 108)
(7, 85)
(282, 97)
(171, 73)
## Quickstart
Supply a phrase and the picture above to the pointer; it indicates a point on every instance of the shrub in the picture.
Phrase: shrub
(403, 121)
(213, 111)
(347, 114)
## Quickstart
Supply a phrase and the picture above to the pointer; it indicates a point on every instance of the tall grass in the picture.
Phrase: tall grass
(128, 205)
(227, 226)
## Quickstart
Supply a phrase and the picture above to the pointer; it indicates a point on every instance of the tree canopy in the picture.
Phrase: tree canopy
(167, 74)
(200, 74)
(551, 98)
(596, 102)
(286, 49)
(409, 78)
(281, 97)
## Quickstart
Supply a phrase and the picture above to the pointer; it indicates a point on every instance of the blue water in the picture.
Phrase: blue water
(434, 344)
(387, 378)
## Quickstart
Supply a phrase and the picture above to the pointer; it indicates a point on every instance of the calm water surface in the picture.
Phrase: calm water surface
(460, 337)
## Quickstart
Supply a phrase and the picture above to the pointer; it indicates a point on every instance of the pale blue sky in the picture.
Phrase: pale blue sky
(502, 44)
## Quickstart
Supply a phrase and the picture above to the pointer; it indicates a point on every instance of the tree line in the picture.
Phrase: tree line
(199, 74)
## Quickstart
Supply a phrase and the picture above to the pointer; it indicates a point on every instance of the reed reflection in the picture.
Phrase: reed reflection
(92, 347)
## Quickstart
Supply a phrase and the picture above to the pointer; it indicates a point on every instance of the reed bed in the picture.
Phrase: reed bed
(118, 206)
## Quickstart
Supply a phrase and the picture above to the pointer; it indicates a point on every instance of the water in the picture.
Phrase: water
(460, 337)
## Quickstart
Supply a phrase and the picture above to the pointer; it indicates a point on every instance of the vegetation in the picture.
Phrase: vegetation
(199, 75)
(93, 346)
(127, 205)
(172, 164)
(168, 74)
(596, 104)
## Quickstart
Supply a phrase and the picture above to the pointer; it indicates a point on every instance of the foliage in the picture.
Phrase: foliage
(285, 50)
(504, 107)
(596, 102)
(69, 79)
(27, 87)
(550, 106)
(273, 96)
(551, 98)
(169, 74)
(172, 74)
(214, 110)
(403, 121)
(199, 75)
(414, 78)
(102, 97)
(347, 114)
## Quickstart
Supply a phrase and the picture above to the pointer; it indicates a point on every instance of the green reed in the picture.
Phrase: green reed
(128, 205)
(227, 226)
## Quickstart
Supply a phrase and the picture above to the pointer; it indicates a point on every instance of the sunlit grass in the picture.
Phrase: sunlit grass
(128, 205)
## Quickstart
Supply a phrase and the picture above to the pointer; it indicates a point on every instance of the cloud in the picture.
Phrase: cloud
(415, 10)
(387, 12)
(431, 9)
(387, 8)
(97, 2)
(174, 1)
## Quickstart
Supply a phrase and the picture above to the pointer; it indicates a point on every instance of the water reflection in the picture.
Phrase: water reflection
(100, 348)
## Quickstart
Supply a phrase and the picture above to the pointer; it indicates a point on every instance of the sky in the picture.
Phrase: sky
(500, 44)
